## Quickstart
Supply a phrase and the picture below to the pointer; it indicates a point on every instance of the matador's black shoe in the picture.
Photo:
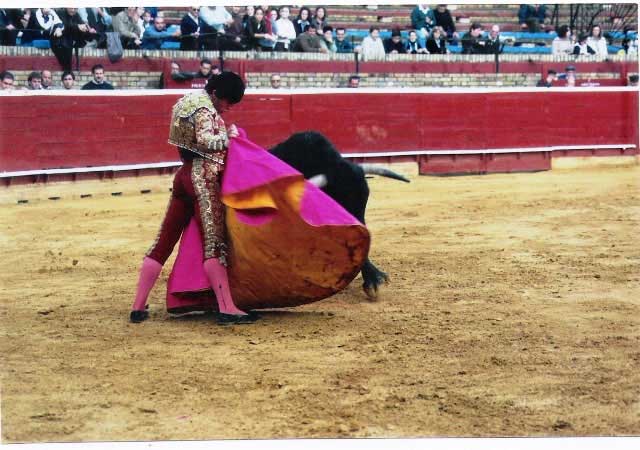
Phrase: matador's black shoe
(239, 319)
(138, 316)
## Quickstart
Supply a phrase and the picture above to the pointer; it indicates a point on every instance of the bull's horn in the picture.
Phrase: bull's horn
(383, 172)
(319, 180)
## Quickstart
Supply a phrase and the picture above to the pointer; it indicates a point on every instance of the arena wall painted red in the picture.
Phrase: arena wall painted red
(42, 131)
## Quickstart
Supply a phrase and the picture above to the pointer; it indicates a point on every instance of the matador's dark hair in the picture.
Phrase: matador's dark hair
(226, 86)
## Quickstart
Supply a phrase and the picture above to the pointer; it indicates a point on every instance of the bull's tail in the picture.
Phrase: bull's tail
(372, 169)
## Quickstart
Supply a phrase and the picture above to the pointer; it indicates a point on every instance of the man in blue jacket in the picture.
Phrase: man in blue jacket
(343, 45)
(155, 35)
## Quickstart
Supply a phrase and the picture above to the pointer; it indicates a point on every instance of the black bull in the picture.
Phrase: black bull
(313, 154)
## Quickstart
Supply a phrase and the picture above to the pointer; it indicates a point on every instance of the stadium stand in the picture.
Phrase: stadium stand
(143, 69)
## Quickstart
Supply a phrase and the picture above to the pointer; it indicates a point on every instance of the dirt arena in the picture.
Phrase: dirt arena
(513, 310)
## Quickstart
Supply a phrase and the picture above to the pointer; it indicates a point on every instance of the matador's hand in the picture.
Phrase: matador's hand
(232, 132)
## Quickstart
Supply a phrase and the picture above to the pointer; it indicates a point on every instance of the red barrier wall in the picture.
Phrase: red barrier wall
(44, 131)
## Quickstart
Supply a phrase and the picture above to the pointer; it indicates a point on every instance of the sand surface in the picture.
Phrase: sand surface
(513, 310)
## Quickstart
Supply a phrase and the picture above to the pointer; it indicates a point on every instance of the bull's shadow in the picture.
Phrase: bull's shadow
(312, 154)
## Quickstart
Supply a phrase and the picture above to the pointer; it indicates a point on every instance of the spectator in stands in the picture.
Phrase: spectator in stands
(28, 25)
(275, 81)
(562, 44)
(582, 48)
(372, 46)
(531, 17)
(70, 33)
(46, 19)
(414, 46)
(248, 14)
(422, 20)
(630, 42)
(34, 81)
(147, 21)
(471, 41)
(8, 26)
(99, 20)
(156, 35)
(597, 42)
(320, 19)
(493, 44)
(327, 41)
(442, 17)
(235, 33)
(394, 44)
(126, 23)
(271, 17)
(354, 81)
(205, 69)
(548, 82)
(47, 80)
(141, 23)
(212, 24)
(437, 44)
(259, 37)
(633, 80)
(569, 75)
(302, 21)
(7, 81)
(343, 45)
(98, 82)
(68, 80)
(309, 41)
(285, 30)
(190, 29)
(218, 17)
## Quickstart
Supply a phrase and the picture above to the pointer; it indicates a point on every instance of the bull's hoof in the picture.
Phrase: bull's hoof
(371, 288)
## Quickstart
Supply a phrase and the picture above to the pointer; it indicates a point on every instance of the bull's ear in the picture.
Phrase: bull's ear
(319, 180)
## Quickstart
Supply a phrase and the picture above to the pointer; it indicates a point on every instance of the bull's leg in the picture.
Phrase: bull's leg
(373, 278)
(353, 196)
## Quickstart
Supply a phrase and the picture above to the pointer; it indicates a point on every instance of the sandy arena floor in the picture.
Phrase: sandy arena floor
(513, 310)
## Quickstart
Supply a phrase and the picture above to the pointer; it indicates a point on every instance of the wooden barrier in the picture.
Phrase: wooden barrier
(82, 129)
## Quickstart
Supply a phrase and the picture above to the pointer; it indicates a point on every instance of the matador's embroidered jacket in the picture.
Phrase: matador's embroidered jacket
(196, 126)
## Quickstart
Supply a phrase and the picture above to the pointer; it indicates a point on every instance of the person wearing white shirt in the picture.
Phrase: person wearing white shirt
(286, 30)
(47, 18)
(372, 46)
(142, 25)
(562, 44)
(597, 42)
(216, 18)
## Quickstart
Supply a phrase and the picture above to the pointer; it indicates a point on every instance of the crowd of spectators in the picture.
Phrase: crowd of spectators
(44, 81)
(268, 29)
(265, 28)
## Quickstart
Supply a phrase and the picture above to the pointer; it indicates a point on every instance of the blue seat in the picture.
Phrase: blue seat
(621, 35)
(42, 43)
(537, 50)
(169, 45)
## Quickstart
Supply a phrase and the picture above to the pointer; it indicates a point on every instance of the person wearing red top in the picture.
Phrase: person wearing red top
(202, 138)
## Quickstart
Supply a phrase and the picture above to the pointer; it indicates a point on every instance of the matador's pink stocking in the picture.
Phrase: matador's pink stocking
(149, 273)
(219, 280)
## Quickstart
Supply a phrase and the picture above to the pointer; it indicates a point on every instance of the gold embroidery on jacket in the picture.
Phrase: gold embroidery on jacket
(197, 126)
(206, 183)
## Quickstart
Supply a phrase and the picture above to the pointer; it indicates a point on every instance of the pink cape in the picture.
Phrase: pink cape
(290, 243)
